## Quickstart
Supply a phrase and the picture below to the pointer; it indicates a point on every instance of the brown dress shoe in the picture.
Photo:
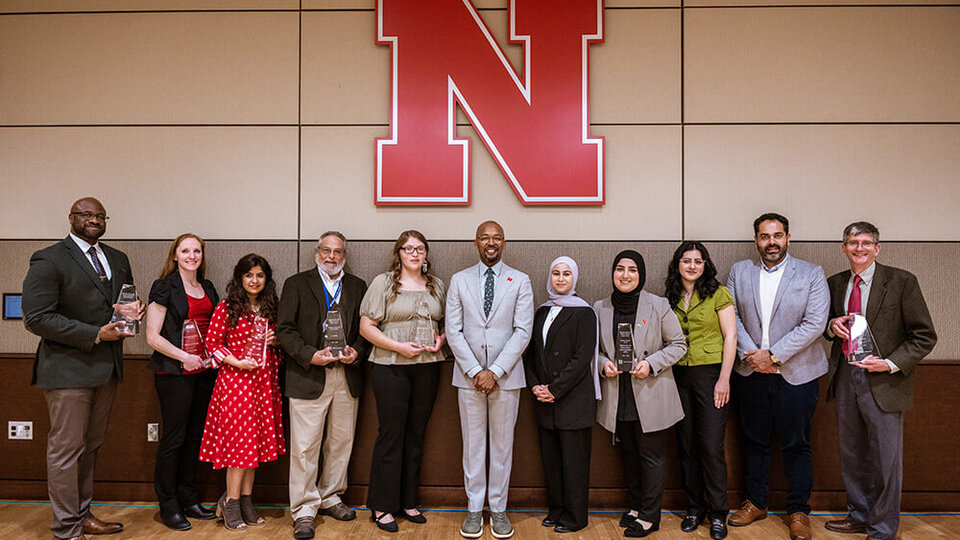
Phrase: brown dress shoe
(340, 512)
(746, 514)
(94, 525)
(799, 526)
(845, 526)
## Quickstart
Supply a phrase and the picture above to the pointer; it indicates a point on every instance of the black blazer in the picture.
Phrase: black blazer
(300, 319)
(169, 293)
(901, 323)
(563, 364)
(65, 303)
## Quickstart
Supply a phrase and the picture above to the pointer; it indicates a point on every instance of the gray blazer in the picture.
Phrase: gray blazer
(497, 340)
(799, 317)
(659, 340)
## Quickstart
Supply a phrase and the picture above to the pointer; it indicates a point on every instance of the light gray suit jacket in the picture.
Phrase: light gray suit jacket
(799, 317)
(658, 339)
(497, 340)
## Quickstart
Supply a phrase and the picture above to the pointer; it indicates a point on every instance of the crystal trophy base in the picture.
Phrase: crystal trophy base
(126, 310)
(256, 347)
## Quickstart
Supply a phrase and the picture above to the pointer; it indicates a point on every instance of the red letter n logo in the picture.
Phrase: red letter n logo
(535, 124)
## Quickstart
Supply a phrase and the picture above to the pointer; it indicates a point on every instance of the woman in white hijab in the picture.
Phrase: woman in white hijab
(561, 369)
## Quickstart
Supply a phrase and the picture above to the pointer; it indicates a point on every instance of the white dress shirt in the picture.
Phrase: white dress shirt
(769, 283)
(84, 247)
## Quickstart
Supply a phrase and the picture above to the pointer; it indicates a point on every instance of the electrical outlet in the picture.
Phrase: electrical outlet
(153, 432)
(20, 430)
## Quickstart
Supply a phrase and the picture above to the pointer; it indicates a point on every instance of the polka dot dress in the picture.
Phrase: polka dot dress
(244, 425)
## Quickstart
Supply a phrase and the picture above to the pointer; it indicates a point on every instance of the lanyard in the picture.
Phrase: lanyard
(326, 295)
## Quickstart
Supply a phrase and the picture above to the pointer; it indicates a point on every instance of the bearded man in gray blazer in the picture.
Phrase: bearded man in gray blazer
(488, 322)
(781, 304)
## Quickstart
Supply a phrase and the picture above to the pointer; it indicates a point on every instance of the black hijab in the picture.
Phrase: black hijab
(626, 303)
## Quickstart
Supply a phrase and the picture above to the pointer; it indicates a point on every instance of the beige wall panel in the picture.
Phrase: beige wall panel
(146, 259)
(143, 68)
(877, 64)
(155, 182)
(903, 178)
(642, 191)
(42, 6)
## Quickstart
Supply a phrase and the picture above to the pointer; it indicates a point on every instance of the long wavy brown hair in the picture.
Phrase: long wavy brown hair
(170, 266)
(238, 303)
(396, 265)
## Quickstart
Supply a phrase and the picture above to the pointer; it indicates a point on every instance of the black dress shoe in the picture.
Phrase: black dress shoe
(691, 521)
(549, 522)
(636, 530)
(718, 528)
(197, 511)
(626, 519)
(390, 527)
(564, 529)
(175, 521)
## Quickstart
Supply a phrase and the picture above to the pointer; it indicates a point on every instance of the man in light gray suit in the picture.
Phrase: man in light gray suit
(782, 305)
(488, 323)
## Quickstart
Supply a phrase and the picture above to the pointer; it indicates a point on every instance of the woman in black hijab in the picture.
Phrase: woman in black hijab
(639, 400)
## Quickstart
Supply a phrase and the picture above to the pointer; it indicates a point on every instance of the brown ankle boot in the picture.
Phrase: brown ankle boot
(249, 512)
(229, 509)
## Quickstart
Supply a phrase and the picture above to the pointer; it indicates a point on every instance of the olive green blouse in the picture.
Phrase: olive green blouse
(701, 327)
(396, 317)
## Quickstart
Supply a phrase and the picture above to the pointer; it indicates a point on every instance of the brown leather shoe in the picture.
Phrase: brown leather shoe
(340, 512)
(746, 514)
(799, 526)
(94, 525)
(845, 526)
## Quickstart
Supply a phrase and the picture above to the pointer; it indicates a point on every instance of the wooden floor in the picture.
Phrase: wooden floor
(32, 520)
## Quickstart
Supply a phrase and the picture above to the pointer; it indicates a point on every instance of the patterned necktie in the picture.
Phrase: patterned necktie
(488, 293)
(97, 265)
(853, 306)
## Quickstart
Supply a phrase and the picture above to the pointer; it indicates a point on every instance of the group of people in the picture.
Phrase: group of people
(634, 362)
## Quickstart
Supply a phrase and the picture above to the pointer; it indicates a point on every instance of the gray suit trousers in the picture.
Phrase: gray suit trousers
(871, 454)
(78, 426)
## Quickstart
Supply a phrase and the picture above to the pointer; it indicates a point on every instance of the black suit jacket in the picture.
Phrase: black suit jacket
(901, 324)
(563, 364)
(169, 293)
(65, 303)
(300, 319)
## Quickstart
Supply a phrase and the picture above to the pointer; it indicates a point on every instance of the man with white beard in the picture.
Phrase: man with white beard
(323, 387)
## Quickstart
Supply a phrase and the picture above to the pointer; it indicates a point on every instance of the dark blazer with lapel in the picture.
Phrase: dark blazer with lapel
(563, 363)
(300, 319)
(901, 324)
(65, 303)
(169, 292)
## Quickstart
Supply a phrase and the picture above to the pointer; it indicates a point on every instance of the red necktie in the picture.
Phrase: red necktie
(853, 306)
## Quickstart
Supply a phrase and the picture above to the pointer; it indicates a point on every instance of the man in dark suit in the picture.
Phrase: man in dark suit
(68, 300)
(323, 388)
(873, 393)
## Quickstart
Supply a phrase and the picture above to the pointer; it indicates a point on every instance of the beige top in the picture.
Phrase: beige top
(396, 317)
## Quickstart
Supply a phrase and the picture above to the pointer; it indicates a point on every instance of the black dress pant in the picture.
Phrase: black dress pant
(566, 468)
(770, 404)
(643, 466)
(700, 436)
(405, 395)
(184, 400)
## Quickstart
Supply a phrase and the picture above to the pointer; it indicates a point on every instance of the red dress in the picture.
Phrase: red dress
(244, 425)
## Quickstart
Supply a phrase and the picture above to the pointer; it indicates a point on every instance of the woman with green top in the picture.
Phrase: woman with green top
(706, 313)
(401, 315)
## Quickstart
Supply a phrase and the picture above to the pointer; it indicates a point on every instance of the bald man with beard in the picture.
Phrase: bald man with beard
(68, 300)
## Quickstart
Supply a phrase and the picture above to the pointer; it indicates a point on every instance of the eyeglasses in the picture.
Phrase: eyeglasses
(695, 262)
(326, 252)
(487, 238)
(410, 250)
(88, 216)
(866, 244)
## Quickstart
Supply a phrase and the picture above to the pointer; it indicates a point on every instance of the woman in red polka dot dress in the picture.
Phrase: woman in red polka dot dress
(244, 426)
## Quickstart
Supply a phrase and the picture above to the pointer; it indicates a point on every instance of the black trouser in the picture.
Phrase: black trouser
(770, 404)
(405, 395)
(643, 466)
(184, 400)
(703, 465)
(566, 468)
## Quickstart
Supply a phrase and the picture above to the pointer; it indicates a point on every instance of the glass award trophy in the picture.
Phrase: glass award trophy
(861, 343)
(126, 310)
(624, 352)
(423, 326)
(256, 347)
(191, 342)
(333, 334)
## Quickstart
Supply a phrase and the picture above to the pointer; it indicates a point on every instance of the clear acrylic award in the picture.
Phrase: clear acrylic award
(127, 311)
(423, 326)
(256, 346)
(333, 333)
(191, 342)
(624, 353)
(861, 343)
